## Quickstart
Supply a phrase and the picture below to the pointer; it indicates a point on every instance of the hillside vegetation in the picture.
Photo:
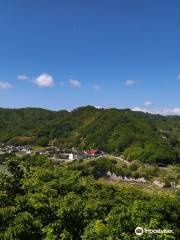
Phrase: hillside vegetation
(43, 201)
(136, 135)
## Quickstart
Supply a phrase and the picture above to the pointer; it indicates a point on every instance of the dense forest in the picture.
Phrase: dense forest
(42, 200)
(136, 135)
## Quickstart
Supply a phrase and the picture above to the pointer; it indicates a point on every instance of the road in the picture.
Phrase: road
(117, 157)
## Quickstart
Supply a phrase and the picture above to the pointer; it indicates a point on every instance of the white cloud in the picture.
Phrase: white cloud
(164, 111)
(139, 109)
(96, 87)
(5, 85)
(147, 103)
(44, 80)
(177, 110)
(178, 77)
(171, 111)
(23, 77)
(130, 82)
(74, 83)
(98, 107)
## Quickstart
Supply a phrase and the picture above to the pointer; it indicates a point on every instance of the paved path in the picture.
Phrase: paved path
(117, 157)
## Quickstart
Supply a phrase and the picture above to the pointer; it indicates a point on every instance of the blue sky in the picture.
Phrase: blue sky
(64, 54)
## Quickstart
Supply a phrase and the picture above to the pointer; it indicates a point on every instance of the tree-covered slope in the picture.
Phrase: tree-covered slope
(149, 138)
(42, 201)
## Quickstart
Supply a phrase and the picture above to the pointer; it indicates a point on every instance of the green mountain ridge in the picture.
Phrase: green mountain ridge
(137, 135)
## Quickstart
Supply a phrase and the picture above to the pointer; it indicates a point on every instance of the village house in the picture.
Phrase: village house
(93, 153)
(76, 156)
(23, 149)
(16, 149)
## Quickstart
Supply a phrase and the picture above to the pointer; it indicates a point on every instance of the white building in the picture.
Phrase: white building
(75, 156)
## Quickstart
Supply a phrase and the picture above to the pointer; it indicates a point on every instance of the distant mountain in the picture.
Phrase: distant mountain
(149, 138)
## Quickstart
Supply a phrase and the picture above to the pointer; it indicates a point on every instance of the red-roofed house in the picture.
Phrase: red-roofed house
(93, 152)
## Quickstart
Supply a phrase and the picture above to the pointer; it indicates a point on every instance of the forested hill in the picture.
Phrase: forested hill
(149, 138)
